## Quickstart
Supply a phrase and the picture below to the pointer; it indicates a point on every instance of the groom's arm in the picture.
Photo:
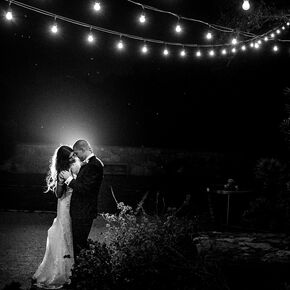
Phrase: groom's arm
(84, 183)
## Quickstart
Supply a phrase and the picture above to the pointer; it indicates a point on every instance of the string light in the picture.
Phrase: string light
(208, 36)
(120, 45)
(144, 49)
(91, 38)
(178, 28)
(165, 52)
(246, 5)
(142, 18)
(256, 40)
(234, 41)
(198, 53)
(275, 48)
(183, 53)
(224, 51)
(211, 53)
(54, 28)
(97, 6)
(9, 15)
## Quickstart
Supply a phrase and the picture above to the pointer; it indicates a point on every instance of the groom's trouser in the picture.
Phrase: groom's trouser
(80, 230)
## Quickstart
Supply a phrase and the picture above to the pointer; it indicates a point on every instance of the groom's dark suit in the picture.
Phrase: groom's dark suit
(83, 205)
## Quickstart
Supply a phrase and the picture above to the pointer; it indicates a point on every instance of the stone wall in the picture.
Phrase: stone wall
(137, 161)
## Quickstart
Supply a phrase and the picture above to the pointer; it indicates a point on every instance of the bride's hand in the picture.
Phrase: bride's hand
(64, 175)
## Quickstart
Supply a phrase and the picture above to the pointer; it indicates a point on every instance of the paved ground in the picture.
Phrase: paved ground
(22, 243)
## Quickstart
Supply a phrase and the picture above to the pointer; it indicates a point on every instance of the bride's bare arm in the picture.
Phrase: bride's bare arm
(60, 187)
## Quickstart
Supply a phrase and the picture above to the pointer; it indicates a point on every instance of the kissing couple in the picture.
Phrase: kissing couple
(75, 176)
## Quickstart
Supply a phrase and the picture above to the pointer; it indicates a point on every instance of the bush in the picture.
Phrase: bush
(142, 252)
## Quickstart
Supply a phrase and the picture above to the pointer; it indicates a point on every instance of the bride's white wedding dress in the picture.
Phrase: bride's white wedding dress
(55, 268)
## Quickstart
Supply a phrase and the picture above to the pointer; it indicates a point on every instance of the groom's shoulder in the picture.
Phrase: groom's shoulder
(97, 161)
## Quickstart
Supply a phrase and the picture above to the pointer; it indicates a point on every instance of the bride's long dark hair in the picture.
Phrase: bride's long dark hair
(59, 161)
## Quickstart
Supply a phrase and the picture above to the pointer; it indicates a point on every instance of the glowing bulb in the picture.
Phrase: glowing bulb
(246, 5)
(243, 48)
(272, 35)
(97, 6)
(144, 49)
(234, 50)
(283, 27)
(178, 28)
(142, 18)
(278, 31)
(224, 51)
(209, 35)
(120, 45)
(9, 15)
(198, 53)
(211, 53)
(288, 23)
(54, 28)
(257, 45)
(234, 41)
(275, 48)
(266, 38)
(165, 52)
(91, 38)
(183, 53)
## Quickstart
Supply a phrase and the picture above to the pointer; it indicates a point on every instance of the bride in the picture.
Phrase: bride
(55, 268)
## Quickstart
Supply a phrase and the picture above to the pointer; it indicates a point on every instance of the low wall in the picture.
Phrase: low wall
(31, 159)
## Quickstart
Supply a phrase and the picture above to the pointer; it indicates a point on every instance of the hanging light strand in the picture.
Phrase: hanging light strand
(134, 37)
(214, 26)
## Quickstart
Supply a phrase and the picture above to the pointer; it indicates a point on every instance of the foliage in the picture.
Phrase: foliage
(144, 252)
(271, 210)
(285, 124)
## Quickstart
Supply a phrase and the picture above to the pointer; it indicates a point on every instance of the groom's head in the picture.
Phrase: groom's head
(82, 149)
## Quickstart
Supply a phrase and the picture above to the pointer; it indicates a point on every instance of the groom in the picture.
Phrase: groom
(83, 205)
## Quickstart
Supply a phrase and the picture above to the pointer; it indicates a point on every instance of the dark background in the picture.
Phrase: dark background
(56, 89)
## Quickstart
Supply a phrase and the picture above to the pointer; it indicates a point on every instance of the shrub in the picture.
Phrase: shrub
(144, 252)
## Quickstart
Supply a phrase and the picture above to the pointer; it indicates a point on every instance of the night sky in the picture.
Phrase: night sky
(58, 88)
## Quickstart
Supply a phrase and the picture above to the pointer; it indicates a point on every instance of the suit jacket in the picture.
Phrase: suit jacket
(86, 188)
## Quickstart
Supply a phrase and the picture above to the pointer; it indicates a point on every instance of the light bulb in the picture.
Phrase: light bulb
(272, 35)
(283, 27)
(257, 45)
(182, 53)
(198, 53)
(234, 50)
(97, 6)
(288, 23)
(211, 53)
(243, 48)
(246, 5)
(234, 41)
(251, 44)
(144, 49)
(120, 45)
(278, 31)
(142, 18)
(266, 38)
(91, 38)
(9, 15)
(165, 52)
(209, 35)
(54, 28)
(178, 28)
(224, 51)
(275, 48)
